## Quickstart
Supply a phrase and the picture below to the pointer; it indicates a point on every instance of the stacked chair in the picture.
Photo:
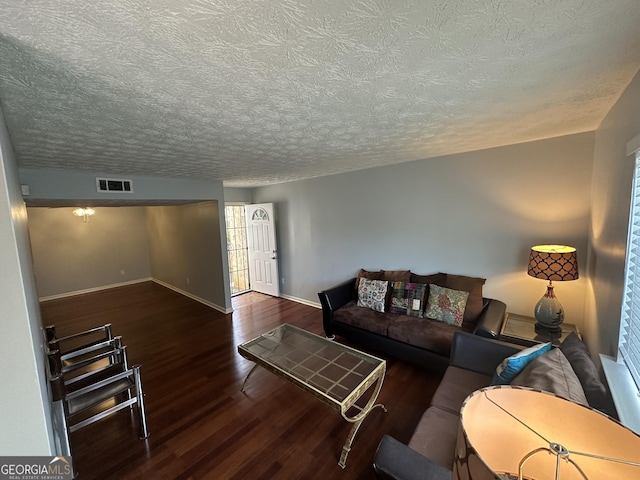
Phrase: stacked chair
(90, 379)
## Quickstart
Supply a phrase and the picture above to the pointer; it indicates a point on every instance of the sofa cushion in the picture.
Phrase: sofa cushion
(456, 385)
(372, 294)
(396, 275)
(435, 436)
(423, 332)
(552, 372)
(439, 279)
(446, 305)
(376, 322)
(408, 298)
(586, 371)
(511, 366)
(473, 285)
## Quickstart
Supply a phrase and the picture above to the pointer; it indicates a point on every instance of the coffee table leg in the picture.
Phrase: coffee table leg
(247, 377)
(358, 419)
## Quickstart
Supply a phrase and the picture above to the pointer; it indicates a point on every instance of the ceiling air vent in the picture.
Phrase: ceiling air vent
(115, 185)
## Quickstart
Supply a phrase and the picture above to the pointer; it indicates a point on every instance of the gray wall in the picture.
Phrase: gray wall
(70, 255)
(238, 195)
(25, 418)
(184, 248)
(56, 186)
(611, 196)
(475, 214)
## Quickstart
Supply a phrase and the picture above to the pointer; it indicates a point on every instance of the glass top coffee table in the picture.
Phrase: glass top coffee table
(333, 373)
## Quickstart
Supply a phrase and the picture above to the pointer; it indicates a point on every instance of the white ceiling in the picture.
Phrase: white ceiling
(254, 92)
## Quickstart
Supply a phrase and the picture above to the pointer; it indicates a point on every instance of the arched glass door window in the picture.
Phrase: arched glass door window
(260, 214)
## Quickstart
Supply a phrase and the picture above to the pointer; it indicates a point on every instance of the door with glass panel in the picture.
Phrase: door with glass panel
(261, 244)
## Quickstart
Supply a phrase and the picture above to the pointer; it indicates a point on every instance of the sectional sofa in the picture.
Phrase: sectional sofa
(566, 371)
(412, 337)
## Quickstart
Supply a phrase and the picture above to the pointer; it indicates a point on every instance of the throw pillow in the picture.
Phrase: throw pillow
(372, 294)
(473, 285)
(394, 276)
(586, 371)
(408, 298)
(366, 274)
(511, 366)
(552, 372)
(446, 305)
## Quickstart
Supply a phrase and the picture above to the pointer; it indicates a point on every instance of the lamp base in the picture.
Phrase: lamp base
(554, 331)
(549, 312)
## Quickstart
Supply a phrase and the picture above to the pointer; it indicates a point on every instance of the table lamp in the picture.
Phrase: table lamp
(509, 433)
(551, 262)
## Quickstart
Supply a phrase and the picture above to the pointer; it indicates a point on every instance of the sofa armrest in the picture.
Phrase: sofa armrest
(491, 319)
(478, 354)
(394, 461)
(332, 299)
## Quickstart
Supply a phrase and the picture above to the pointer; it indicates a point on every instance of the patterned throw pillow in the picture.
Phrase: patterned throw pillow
(408, 298)
(372, 294)
(446, 305)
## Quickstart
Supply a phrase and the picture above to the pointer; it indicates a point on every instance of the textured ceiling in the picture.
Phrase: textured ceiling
(254, 92)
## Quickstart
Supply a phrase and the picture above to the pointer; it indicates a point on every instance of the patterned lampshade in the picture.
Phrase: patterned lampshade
(553, 262)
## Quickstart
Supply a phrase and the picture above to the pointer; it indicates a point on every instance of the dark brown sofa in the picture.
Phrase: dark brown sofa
(430, 452)
(422, 341)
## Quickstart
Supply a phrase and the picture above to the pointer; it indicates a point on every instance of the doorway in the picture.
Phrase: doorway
(237, 249)
(263, 252)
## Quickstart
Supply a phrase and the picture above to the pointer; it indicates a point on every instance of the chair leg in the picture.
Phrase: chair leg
(123, 359)
(140, 400)
(62, 434)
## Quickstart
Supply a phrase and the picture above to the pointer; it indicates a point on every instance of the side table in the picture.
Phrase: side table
(520, 329)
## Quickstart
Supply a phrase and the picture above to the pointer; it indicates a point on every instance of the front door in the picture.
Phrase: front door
(263, 253)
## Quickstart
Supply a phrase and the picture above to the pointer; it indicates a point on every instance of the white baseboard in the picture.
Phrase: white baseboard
(301, 300)
(171, 287)
(91, 290)
(194, 297)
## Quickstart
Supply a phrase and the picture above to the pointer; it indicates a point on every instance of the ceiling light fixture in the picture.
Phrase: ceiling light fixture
(85, 213)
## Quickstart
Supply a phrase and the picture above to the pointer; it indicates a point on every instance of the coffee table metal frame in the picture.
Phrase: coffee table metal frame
(314, 364)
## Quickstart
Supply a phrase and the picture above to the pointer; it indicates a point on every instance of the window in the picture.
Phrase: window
(237, 249)
(629, 342)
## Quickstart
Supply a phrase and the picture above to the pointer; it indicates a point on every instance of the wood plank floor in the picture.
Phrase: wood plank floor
(202, 426)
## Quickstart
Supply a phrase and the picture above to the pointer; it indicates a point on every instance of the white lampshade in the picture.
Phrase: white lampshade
(504, 428)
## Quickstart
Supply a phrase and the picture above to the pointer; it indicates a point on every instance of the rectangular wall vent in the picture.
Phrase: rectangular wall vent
(115, 185)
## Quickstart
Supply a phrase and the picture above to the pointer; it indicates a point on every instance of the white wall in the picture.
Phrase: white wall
(70, 255)
(475, 214)
(184, 248)
(611, 195)
(25, 418)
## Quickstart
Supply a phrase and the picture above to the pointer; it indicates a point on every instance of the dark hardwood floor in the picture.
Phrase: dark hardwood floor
(202, 426)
